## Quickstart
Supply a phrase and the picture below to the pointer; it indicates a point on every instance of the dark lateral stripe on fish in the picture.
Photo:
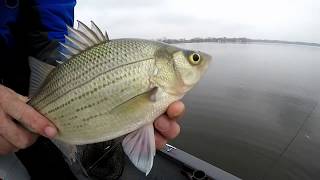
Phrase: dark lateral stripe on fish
(66, 83)
(80, 85)
(51, 92)
(78, 77)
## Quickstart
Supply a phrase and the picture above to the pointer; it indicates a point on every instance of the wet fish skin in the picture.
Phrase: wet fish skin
(79, 96)
(105, 89)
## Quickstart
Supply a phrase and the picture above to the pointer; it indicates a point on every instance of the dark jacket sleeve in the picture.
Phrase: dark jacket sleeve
(46, 22)
(43, 25)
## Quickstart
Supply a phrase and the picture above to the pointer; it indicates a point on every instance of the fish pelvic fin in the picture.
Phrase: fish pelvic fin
(80, 39)
(139, 146)
(39, 72)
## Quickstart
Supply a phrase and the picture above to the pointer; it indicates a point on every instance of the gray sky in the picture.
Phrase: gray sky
(294, 20)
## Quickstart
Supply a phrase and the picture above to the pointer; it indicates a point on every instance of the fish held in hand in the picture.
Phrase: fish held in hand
(104, 89)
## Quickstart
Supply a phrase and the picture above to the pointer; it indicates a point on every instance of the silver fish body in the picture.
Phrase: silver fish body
(81, 94)
(107, 89)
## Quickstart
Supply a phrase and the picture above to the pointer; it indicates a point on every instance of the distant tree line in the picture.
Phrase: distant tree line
(233, 40)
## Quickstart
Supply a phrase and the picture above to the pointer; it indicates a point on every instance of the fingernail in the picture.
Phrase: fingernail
(50, 131)
(180, 110)
(162, 125)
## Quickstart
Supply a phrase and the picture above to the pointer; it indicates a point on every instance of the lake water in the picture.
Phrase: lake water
(255, 113)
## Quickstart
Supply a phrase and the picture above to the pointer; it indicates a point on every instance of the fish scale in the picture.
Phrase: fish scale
(105, 89)
(99, 118)
(101, 60)
(109, 83)
(111, 92)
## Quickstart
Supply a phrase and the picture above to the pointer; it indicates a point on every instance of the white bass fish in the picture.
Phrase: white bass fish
(105, 89)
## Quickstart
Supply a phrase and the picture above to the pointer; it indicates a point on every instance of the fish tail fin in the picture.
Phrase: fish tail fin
(139, 146)
(39, 72)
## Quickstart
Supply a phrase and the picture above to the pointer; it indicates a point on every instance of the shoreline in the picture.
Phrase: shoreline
(236, 41)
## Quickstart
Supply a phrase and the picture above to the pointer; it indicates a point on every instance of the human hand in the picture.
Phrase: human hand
(166, 126)
(13, 136)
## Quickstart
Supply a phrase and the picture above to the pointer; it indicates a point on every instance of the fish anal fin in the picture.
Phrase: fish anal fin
(68, 150)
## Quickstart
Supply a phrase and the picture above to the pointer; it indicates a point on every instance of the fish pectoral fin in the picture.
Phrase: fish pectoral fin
(154, 94)
(139, 146)
(137, 101)
(39, 72)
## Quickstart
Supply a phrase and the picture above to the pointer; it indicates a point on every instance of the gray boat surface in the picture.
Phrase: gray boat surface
(170, 163)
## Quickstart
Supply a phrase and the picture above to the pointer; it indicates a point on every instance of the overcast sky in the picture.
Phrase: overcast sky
(294, 20)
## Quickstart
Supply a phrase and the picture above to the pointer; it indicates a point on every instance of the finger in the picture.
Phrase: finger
(6, 147)
(162, 124)
(168, 128)
(176, 110)
(6, 92)
(23, 98)
(159, 140)
(15, 134)
(25, 114)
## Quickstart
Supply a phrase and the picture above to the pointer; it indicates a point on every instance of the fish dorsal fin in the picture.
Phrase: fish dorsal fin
(140, 147)
(80, 39)
(98, 32)
(39, 72)
(87, 31)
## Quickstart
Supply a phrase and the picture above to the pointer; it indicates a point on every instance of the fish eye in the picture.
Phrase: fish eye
(195, 58)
